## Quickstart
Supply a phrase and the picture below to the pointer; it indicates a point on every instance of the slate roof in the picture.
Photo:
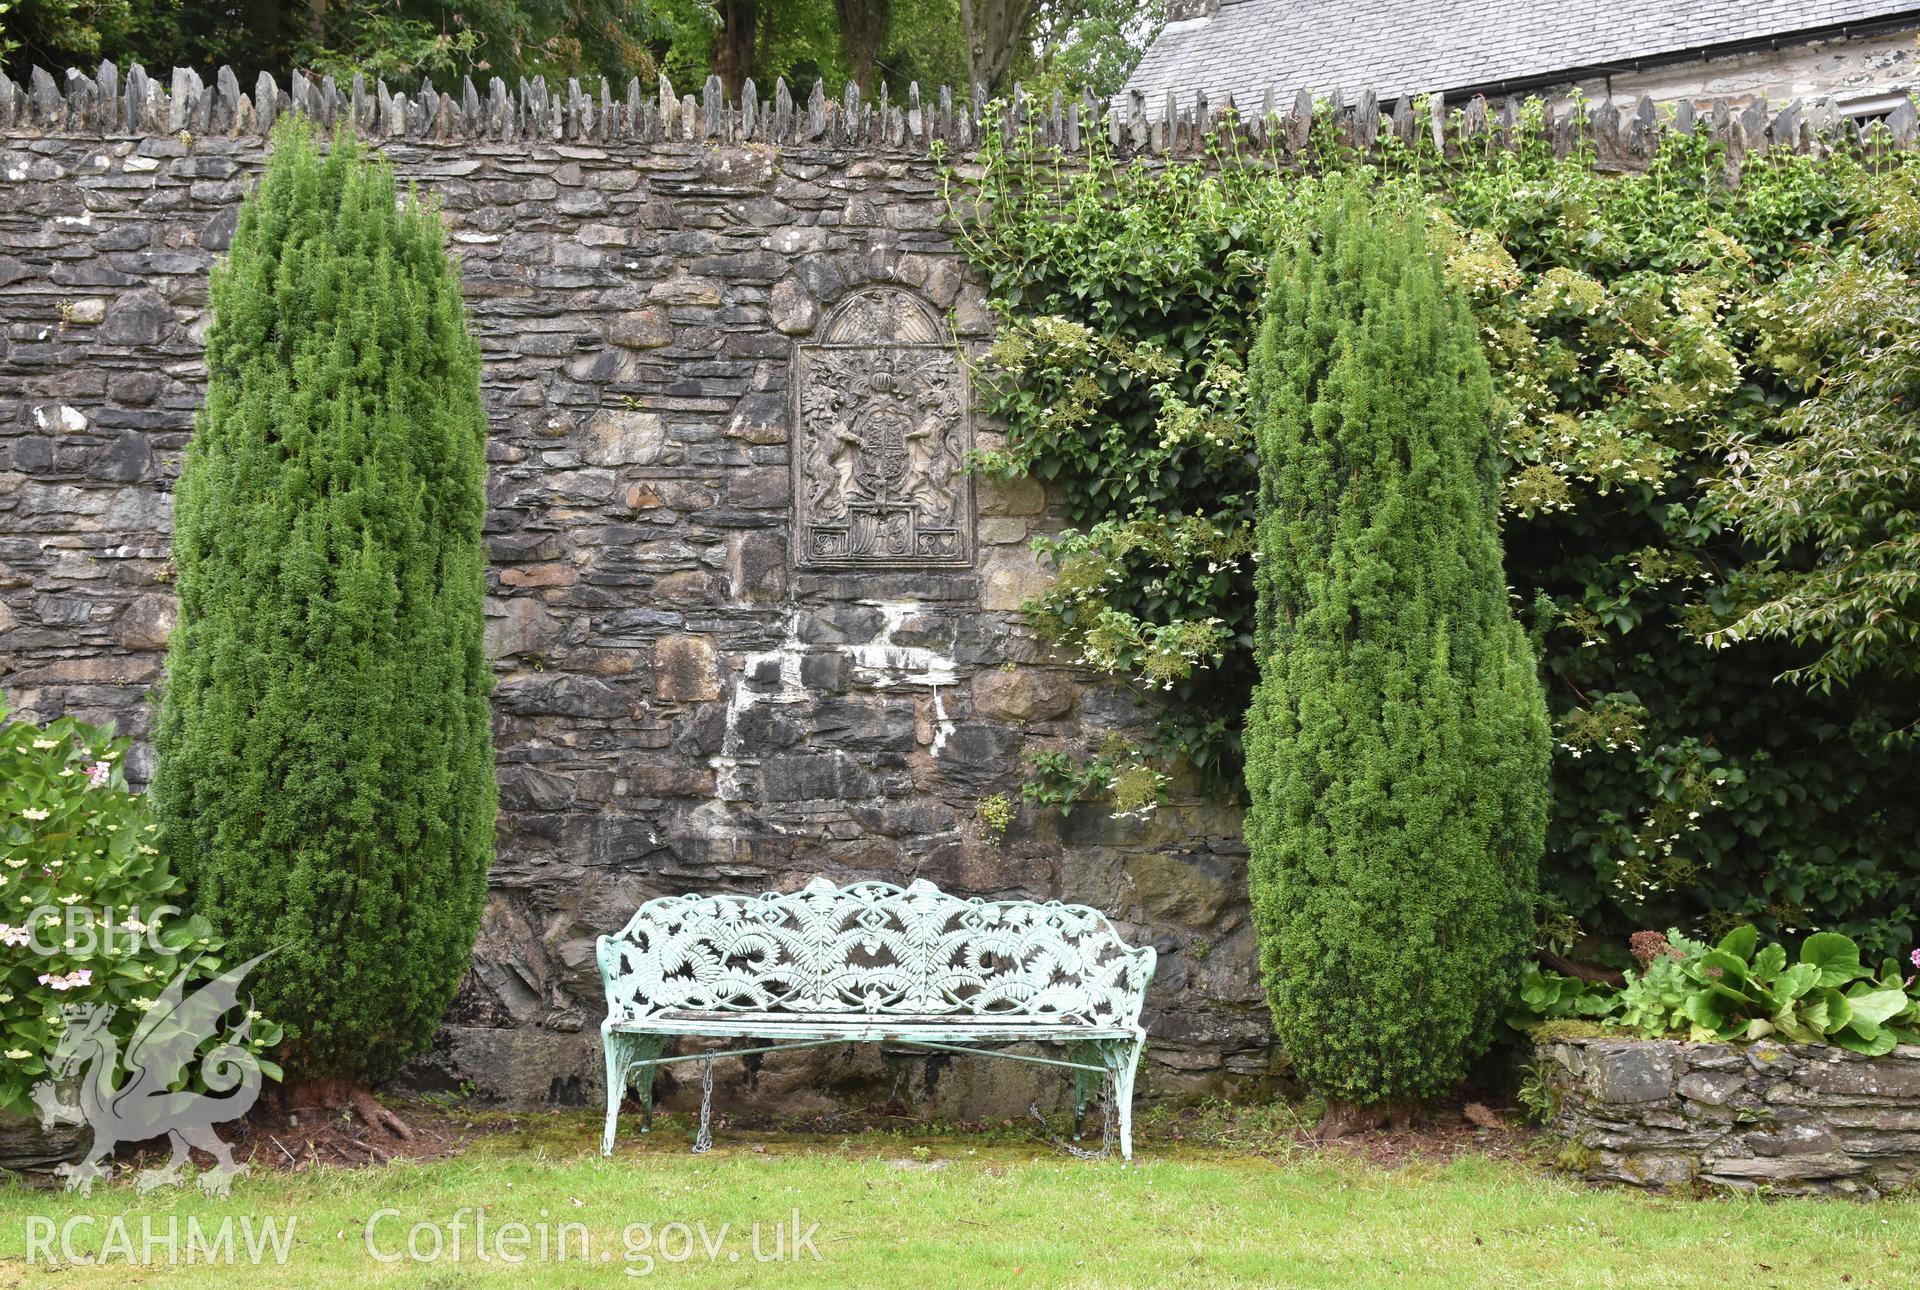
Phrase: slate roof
(1393, 47)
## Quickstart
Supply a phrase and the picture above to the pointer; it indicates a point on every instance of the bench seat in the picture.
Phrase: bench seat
(873, 963)
(860, 1027)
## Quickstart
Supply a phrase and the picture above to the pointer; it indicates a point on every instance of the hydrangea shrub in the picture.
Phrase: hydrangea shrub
(88, 906)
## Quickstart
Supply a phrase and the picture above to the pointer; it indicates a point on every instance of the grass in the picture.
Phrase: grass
(884, 1209)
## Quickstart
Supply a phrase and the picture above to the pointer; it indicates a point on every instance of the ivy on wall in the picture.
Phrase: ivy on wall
(1627, 319)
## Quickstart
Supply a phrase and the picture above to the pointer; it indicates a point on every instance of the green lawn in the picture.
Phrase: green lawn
(952, 1210)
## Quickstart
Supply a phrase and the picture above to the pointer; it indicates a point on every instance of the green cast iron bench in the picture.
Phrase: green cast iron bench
(872, 963)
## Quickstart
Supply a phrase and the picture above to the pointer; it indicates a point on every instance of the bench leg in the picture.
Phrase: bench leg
(617, 1046)
(1123, 1061)
(646, 1050)
(1085, 1083)
(630, 1058)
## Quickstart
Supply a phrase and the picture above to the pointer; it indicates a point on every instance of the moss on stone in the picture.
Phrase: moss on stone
(1565, 1028)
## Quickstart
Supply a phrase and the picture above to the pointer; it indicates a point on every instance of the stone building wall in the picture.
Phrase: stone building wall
(1791, 1118)
(676, 310)
(1861, 74)
(1860, 61)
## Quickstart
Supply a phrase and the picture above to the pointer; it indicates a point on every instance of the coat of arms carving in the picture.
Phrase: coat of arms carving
(880, 465)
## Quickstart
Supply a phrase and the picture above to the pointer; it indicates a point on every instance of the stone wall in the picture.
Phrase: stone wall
(1791, 1118)
(673, 327)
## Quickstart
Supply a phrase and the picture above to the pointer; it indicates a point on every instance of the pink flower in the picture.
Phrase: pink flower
(1914, 958)
(79, 976)
(1648, 946)
(97, 774)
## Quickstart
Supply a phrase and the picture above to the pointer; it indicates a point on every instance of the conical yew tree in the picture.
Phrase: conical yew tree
(325, 769)
(1397, 743)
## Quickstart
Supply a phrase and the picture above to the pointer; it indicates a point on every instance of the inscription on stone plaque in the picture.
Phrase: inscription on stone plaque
(880, 477)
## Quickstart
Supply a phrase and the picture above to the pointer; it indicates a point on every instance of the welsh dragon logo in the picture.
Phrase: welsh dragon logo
(150, 1101)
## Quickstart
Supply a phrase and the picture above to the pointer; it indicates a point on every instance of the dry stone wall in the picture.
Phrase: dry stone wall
(1789, 1118)
(696, 348)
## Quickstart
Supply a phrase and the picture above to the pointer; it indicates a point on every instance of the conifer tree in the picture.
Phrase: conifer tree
(1397, 743)
(325, 769)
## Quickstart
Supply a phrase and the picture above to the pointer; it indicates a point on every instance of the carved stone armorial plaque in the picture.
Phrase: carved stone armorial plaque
(880, 474)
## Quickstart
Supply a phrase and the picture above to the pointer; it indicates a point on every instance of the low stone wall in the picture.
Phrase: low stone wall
(1792, 1118)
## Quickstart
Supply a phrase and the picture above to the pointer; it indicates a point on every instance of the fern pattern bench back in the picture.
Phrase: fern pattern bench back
(874, 949)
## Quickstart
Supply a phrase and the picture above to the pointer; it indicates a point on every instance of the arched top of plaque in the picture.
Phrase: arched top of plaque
(882, 315)
(880, 476)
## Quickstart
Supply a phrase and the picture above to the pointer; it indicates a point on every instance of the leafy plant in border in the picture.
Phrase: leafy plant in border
(1743, 992)
(1738, 989)
(74, 837)
(1551, 996)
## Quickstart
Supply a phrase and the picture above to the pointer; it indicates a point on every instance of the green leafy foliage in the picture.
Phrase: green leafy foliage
(1048, 46)
(1632, 323)
(1119, 775)
(1129, 301)
(325, 768)
(1397, 744)
(86, 900)
(84, 28)
(1835, 501)
(380, 39)
(1538, 1094)
(393, 38)
(1090, 45)
(1739, 990)
(1654, 1000)
(995, 813)
(1549, 996)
